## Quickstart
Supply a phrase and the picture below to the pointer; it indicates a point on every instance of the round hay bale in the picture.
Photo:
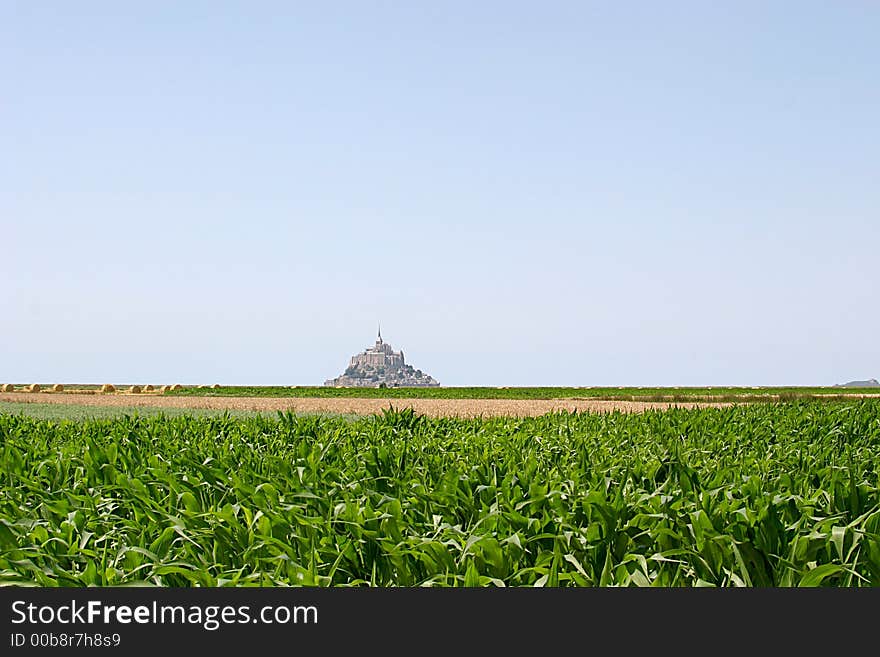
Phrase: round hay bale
(216, 386)
(34, 387)
(134, 389)
(176, 386)
(7, 387)
(108, 387)
(148, 388)
(58, 388)
(165, 388)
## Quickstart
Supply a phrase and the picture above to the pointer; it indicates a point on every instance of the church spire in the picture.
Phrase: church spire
(379, 340)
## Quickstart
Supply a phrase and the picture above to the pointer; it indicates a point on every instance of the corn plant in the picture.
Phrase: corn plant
(781, 494)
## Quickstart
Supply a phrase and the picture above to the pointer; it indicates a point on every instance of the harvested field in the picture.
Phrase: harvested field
(429, 407)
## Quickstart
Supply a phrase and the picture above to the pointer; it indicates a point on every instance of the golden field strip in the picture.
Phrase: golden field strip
(357, 406)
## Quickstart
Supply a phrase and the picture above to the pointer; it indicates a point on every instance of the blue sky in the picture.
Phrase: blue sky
(681, 193)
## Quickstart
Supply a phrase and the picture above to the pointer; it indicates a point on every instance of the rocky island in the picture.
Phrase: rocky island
(381, 366)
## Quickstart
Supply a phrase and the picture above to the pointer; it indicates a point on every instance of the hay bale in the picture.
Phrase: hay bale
(165, 388)
(108, 387)
(148, 388)
(58, 388)
(34, 387)
(7, 387)
(134, 389)
(176, 386)
(216, 386)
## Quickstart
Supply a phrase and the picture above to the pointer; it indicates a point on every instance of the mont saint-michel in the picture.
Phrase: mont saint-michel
(379, 365)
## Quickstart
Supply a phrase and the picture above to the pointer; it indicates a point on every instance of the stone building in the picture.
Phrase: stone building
(378, 365)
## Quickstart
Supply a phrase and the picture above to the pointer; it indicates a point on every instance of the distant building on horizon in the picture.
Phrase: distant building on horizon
(379, 365)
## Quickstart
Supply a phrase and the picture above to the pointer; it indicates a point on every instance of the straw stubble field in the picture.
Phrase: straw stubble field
(355, 406)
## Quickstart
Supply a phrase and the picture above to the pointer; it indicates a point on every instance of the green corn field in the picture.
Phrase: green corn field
(755, 495)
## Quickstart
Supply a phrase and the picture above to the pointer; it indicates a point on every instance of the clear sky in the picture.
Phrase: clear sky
(551, 193)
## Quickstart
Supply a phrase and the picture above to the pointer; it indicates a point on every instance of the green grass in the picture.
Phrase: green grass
(77, 412)
(644, 394)
(756, 495)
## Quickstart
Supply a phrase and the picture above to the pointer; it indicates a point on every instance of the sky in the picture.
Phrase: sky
(555, 193)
